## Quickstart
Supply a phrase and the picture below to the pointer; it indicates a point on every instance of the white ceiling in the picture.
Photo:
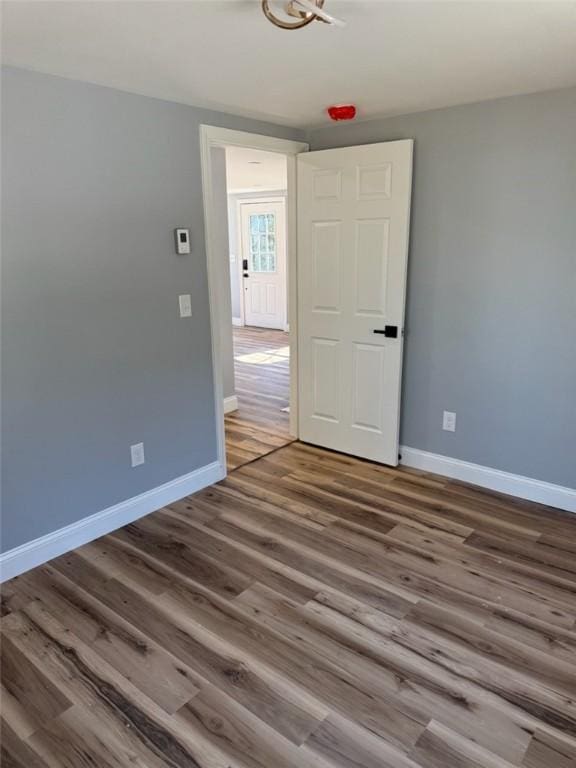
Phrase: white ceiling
(393, 57)
(252, 170)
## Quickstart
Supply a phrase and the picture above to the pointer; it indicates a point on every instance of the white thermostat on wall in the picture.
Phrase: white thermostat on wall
(182, 240)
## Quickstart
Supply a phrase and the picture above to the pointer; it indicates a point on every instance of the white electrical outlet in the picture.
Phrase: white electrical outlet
(185, 302)
(449, 421)
(137, 454)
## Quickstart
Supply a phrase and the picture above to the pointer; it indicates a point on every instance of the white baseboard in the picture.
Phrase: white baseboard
(237, 321)
(495, 479)
(38, 551)
(230, 404)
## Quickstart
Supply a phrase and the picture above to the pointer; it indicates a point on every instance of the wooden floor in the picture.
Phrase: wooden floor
(262, 373)
(311, 610)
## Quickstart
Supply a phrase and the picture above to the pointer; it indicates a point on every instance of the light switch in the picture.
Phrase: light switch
(185, 302)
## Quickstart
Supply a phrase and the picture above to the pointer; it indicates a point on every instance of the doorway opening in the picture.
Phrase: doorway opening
(346, 289)
(256, 184)
(258, 419)
(261, 422)
(249, 203)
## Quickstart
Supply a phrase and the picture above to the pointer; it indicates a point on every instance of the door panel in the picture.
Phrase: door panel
(325, 355)
(374, 181)
(368, 392)
(326, 267)
(327, 184)
(264, 251)
(371, 266)
(353, 219)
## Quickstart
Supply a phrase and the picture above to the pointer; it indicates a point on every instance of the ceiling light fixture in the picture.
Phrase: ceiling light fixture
(304, 11)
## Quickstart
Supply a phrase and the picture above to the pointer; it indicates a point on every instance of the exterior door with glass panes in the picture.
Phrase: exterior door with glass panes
(264, 264)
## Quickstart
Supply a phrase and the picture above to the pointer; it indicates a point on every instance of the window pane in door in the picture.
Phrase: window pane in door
(262, 242)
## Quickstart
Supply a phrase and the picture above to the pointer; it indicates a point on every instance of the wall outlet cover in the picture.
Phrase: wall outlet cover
(137, 454)
(449, 421)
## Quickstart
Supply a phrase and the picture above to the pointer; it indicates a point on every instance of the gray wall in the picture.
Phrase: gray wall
(234, 256)
(95, 356)
(491, 314)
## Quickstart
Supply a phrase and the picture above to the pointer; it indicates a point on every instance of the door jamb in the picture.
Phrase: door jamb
(212, 136)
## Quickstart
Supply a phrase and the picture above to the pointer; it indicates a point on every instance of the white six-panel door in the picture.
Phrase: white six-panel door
(353, 224)
(264, 255)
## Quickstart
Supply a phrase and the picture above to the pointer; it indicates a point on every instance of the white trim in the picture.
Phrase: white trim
(211, 136)
(505, 482)
(292, 263)
(226, 137)
(230, 404)
(237, 321)
(38, 551)
(239, 270)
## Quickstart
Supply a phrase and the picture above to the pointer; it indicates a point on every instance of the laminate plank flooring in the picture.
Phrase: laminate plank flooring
(262, 375)
(310, 611)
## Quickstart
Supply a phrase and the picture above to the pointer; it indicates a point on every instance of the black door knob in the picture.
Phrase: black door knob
(390, 331)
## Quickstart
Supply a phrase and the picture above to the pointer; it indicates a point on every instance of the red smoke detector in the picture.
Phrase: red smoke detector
(342, 112)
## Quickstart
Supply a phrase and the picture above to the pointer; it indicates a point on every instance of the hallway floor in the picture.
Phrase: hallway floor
(262, 373)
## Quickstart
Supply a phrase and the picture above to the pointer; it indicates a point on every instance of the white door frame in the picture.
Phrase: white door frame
(248, 201)
(212, 136)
